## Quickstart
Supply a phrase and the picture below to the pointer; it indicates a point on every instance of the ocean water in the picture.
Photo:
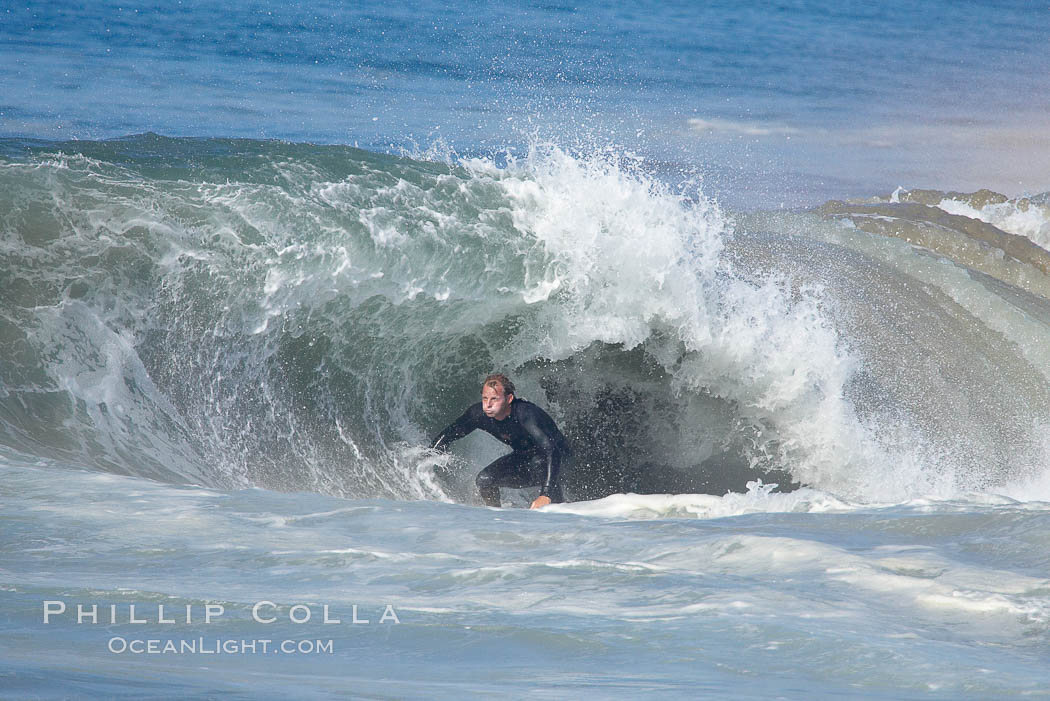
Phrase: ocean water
(785, 104)
(780, 273)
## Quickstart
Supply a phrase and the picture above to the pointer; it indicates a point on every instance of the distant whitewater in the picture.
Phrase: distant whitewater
(298, 317)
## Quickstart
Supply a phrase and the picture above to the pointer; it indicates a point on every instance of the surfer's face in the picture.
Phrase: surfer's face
(495, 402)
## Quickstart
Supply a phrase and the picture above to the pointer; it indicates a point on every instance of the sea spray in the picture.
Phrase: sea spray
(239, 313)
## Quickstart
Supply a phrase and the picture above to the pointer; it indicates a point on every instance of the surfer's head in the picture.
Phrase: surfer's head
(497, 393)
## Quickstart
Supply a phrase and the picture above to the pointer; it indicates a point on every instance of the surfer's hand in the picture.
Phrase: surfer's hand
(541, 501)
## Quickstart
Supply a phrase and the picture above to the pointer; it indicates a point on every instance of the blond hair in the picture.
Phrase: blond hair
(498, 379)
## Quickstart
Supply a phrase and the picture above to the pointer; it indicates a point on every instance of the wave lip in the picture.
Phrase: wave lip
(294, 316)
(942, 222)
(240, 313)
(1022, 216)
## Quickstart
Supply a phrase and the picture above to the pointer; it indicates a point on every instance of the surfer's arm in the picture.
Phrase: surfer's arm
(553, 472)
(550, 450)
(456, 430)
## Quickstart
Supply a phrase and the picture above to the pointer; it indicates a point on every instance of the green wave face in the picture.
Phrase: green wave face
(293, 316)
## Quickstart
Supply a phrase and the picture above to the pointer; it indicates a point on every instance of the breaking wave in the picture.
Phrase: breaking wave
(236, 313)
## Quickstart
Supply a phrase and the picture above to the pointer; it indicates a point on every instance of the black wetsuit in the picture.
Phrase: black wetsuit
(540, 454)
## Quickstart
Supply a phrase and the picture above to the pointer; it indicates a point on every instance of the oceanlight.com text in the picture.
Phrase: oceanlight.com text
(215, 646)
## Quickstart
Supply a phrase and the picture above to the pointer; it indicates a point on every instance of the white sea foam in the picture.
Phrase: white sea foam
(727, 126)
(635, 262)
(1020, 217)
(540, 260)
(758, 499)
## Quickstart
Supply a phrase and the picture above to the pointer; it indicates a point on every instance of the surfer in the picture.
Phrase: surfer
(541, 452)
